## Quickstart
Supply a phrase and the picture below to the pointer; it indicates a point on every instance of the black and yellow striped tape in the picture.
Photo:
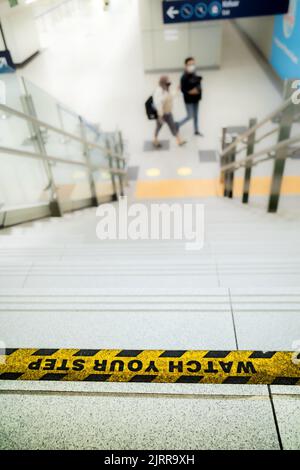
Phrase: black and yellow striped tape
(207, 367)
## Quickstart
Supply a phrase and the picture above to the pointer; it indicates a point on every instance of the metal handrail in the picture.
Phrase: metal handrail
(253, 129)
(257, 141)
(39, 156)
(241, 163)
(278, 152)
(267, 134)
(40, 123)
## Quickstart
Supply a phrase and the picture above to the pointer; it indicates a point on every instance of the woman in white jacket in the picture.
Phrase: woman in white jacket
(163, 102)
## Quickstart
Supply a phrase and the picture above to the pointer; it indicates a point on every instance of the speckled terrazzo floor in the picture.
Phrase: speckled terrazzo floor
(129, 423)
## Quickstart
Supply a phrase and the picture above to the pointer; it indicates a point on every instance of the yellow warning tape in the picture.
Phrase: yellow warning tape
(207, 367)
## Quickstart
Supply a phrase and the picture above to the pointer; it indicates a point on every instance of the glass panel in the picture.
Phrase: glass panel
(51, 112)
(69, 121)
(14, 132)
(103, 181)
(72, 182)
(60, 146)
(113, 139)
(93, 134)
(23, 181)
(46, 106)
(10, 89)
(98, 157)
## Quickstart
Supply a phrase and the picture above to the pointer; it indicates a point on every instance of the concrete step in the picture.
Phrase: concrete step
(151, 318)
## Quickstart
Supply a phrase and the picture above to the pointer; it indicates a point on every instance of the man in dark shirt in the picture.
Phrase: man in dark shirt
(192, 93)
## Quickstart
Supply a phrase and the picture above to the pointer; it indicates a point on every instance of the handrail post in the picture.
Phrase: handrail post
(119, 152)
(223, 161)
(285, 128)
(124, 161)
(230, 175)
(248, 169)
(27, 101)
(227, 176)
(121, 144)
(111, 166)
(87, 155)
(121, 185)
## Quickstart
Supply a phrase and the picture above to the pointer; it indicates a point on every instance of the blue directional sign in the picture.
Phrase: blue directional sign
(285, 56)
(178, 11)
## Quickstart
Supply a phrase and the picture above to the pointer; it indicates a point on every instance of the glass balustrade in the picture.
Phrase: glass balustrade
(38, 163)
(22, 180)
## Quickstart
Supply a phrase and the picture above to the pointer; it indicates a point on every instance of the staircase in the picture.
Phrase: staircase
(63, 288)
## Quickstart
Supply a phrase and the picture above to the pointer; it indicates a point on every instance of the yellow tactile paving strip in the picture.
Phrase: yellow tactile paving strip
(176, 188)
(189, 188)
(260, 186)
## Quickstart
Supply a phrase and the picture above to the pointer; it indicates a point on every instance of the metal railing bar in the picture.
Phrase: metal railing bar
(39, 156)
(257, 141)
(294, 151)
(36, 121)
(256, 163)
(267, 134)
(253, 129)
(250, 158)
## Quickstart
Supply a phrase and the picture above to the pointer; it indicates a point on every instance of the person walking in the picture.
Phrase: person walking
(163, 103)
(191, 88)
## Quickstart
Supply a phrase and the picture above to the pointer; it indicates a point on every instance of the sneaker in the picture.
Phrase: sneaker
(199, 134)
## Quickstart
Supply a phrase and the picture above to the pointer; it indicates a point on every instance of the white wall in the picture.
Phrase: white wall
(2, 46)
(260, 31)
(20, 31)
(166, 46)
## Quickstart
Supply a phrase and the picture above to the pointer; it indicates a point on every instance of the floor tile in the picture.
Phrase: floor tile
(149, 147)
(288, 416)
(208, 156)
(133, 173)
(62, 422)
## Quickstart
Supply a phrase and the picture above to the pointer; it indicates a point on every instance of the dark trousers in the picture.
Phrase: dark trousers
(169, 120)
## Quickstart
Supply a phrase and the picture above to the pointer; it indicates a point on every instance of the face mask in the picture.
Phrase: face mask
(191, 68)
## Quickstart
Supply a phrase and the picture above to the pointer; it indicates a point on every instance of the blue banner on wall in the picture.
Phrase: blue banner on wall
(178, 11)
(285, 56)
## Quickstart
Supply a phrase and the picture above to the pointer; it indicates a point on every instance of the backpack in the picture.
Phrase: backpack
(150, 109)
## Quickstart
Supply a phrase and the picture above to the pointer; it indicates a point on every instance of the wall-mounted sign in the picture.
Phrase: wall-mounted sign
(285, 56)
(178, 11)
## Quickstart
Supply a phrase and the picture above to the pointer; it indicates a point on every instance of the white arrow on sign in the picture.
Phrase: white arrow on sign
(172, 12)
